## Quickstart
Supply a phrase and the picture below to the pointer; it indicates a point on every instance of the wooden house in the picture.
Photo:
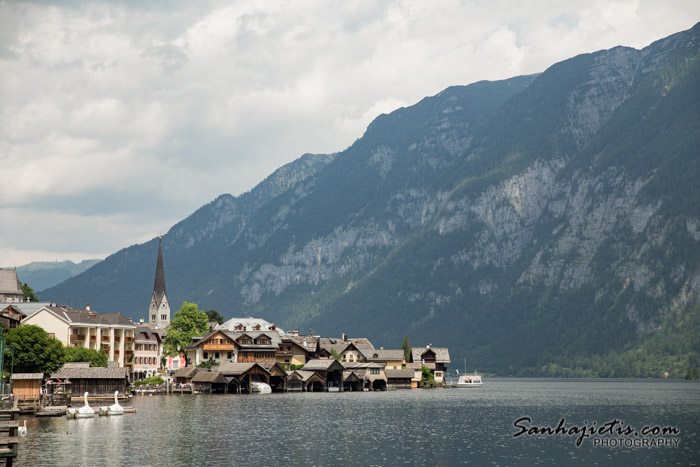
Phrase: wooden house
(372, 375)
(11, 316)
(185, 375)
(330, 370)
(240, 376)
(27, 388)
(209, 382)
(97, 381)
(278, 376)
(308, 381)
(258, 346)
(399, 379)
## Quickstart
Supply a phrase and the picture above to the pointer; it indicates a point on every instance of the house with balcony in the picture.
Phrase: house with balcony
(217, 345)
(111, 333)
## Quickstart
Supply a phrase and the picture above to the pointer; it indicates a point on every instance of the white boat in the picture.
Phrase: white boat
(83, 412)
(261, 388)
(469, 381)
(114, 409)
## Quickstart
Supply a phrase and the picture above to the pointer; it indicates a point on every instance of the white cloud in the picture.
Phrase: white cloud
(130, 116)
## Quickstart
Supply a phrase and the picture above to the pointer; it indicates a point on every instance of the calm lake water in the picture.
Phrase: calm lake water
(440, 427)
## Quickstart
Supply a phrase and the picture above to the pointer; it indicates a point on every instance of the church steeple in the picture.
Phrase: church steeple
(159, 311)
(159, 284)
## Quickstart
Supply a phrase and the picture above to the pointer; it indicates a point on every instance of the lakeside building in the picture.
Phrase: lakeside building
(350, 349)
(393, 359)
(10, 288)
(148, 349)
(235, 346)
(97, 381)
(297, 350)
(435, 358)
(111, 333)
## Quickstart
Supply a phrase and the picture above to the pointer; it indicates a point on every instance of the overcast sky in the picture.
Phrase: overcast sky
(118, 119)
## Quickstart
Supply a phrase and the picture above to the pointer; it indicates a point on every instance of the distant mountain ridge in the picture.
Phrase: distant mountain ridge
(41, 275)
(545, 224)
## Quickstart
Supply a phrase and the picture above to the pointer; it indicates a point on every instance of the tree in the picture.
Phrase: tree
(81, 354)
(336, 355)
(28, 292)
(215, 316)
(189, 322)
(406, 349)
(35, 351)
(427, 379)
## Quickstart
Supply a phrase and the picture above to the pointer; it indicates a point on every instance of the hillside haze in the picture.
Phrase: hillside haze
(545, 224)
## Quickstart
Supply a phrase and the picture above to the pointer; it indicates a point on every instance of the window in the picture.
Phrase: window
(374, 371)
(163, 317)
(228, 355)
(153, 317)
(206, 355)
(216, 355)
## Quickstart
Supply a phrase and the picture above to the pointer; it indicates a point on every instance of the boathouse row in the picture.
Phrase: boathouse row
(316, 375)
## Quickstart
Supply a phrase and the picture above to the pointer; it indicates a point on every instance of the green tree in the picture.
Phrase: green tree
(207, 363)
(427, 379)
(28, 293)
(215, 316)
(35, 351)
(81, 354)
(406, 346)
(336, 355)
(189, 322)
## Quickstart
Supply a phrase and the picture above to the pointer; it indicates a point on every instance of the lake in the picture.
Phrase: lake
(441, 427)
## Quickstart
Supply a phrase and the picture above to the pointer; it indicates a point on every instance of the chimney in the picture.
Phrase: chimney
(344, 337)
(131, 320)
(141, 320)
(29, 299)
(64, 307)
(294, 333)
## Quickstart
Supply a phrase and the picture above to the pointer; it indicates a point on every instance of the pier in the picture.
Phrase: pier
(9, 427)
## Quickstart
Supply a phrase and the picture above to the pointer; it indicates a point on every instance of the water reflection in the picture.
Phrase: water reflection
(438, 427)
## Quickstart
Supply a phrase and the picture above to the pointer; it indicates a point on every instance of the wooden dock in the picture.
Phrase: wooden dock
(9, 427)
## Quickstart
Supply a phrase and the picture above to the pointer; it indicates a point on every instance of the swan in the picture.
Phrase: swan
(115, 409)
(22, 430)
(85, 411)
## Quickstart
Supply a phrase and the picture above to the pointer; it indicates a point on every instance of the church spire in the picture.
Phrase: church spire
(159, 310)
(159, 284)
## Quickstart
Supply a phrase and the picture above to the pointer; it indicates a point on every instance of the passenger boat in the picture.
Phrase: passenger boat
(469, 381)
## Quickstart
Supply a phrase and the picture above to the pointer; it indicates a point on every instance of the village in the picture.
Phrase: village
(238, 356)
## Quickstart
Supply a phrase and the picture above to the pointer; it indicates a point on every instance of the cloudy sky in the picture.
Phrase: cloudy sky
(118, 119)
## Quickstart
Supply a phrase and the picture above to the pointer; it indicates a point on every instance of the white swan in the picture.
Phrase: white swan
(22, 430)
(115, 409)
(85, 411)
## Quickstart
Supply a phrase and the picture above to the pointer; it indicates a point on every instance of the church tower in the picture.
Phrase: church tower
(159, 311)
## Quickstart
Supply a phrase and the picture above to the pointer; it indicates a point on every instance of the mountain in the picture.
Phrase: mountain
(545, 224)
(41, 275)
